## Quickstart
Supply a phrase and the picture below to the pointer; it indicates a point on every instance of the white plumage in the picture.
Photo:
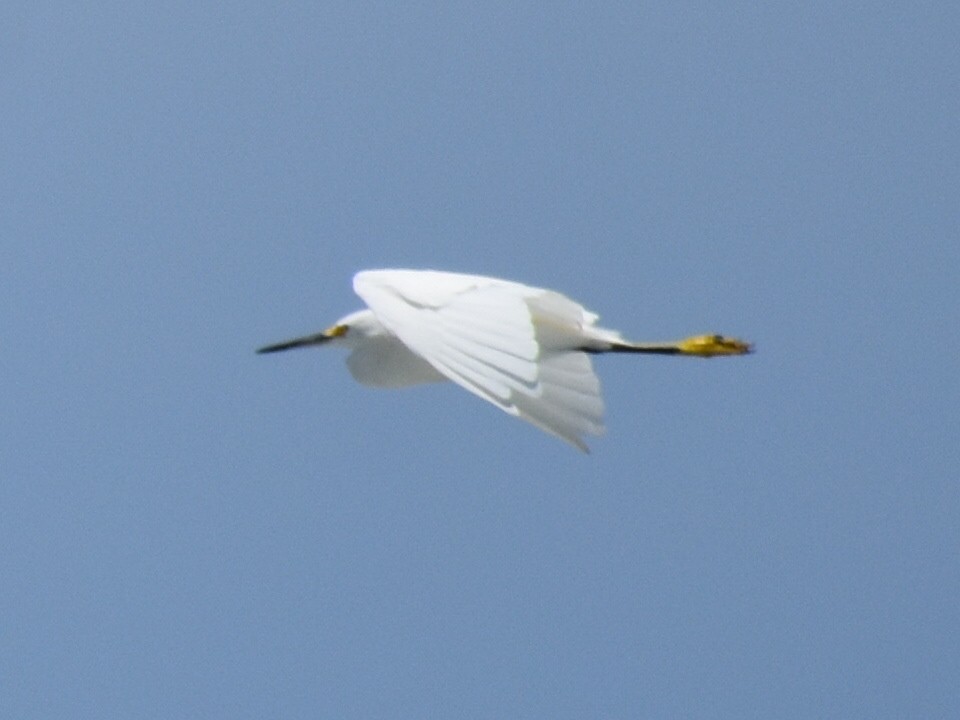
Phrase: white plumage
(524, 349)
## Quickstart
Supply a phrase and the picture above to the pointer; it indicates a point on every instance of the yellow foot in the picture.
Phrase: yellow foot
(713, 345)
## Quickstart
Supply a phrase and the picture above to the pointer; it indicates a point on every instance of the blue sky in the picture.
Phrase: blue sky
(190, 530)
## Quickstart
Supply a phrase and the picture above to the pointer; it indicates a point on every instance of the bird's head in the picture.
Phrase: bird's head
(345, 332)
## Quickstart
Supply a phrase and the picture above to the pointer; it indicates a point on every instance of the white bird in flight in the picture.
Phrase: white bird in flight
(525, 349)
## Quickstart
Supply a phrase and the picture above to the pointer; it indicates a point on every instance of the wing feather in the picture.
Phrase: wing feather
(519, 342)
(485, 349)
(502, 378)
(514, 346)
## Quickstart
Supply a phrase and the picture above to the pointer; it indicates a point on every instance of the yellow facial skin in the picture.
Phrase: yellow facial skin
(335, 331)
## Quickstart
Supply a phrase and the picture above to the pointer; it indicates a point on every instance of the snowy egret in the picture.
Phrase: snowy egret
(524, 349)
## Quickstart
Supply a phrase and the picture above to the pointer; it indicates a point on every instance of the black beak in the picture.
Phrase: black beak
(305, 341)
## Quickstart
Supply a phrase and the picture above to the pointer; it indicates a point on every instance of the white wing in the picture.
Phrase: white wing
(512, 345)
(386, 362)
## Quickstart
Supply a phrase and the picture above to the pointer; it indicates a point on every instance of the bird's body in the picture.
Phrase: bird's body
(524, 349)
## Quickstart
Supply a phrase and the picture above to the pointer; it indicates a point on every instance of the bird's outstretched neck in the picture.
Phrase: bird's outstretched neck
(705, 346)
